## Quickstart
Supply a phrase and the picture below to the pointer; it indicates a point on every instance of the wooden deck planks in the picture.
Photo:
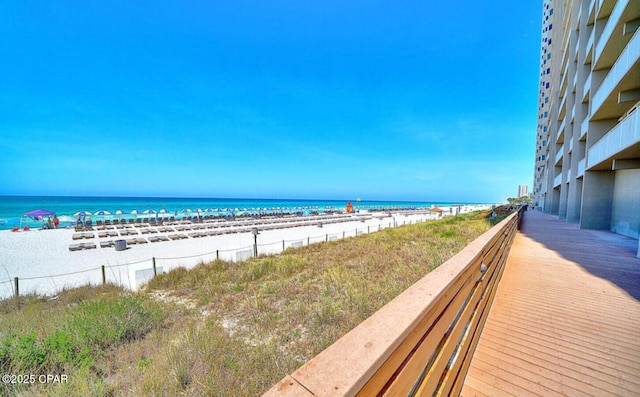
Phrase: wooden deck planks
(566, 317)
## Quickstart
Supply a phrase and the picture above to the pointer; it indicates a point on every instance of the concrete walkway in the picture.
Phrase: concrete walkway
(566, 319)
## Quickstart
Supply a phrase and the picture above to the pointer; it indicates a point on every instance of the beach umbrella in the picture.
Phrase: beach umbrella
(82, 213)
(102, 212)
(119, 212)
(150, 211)
(162, 211)
(135, 212)
(187, 210)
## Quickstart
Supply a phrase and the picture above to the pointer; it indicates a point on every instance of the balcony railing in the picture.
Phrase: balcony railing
(422, 341)
(557, 180)
(623, 135)
(627, 59)
(581, 165)
(584, 127)
(559, 155)
(613, 20)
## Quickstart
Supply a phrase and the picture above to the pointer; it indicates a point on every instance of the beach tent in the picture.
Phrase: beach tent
(36, 215)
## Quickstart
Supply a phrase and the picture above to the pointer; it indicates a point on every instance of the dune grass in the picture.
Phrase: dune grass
(221, 328)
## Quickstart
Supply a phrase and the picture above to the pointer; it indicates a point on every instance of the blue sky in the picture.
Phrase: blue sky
(383, 100)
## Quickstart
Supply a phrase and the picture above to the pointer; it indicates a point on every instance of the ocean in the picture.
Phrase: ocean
(13, 208)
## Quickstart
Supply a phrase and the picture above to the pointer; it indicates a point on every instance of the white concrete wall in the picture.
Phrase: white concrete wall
(625, 215)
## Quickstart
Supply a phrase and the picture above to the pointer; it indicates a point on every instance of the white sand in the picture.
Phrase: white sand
(42, 261)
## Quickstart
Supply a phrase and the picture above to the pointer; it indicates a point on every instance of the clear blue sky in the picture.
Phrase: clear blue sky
(383, 100)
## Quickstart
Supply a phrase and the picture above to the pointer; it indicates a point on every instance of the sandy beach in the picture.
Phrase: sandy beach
(46, 261)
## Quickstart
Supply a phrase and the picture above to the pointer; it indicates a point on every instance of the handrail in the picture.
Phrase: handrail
(420, 343)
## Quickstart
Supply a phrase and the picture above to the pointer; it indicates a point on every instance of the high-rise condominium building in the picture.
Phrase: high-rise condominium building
(523, 190)
(587, 167)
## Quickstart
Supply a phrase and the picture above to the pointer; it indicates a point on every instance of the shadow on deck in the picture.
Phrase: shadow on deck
(566, 316)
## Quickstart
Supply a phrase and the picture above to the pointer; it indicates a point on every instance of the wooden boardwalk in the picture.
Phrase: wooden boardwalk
(566, 318)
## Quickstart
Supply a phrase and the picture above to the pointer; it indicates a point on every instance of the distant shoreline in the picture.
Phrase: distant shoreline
(13, 207)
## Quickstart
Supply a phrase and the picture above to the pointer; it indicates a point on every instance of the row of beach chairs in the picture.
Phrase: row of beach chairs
(199, 230)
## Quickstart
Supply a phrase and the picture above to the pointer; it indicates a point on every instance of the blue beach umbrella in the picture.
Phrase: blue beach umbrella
(102, 213)
(119, 213)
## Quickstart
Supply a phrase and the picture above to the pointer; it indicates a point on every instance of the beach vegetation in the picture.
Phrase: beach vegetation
(221, 328)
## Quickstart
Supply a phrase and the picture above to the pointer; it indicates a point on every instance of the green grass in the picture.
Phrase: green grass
(221, 328)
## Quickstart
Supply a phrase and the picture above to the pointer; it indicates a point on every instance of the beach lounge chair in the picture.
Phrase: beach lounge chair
(107, 244)
(75, 247)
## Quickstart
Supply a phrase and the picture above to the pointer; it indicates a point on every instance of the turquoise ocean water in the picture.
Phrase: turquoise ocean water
(12, 208)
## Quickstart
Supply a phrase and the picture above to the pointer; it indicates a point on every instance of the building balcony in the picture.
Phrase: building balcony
(562, 109)
(557, 180)
(560, 135)
(586, 89)
(623, 77)
(592, 12)
(622, 142)
(559, 155)
(610, 42)
(584, 127)
(581, 167)
(589, 49)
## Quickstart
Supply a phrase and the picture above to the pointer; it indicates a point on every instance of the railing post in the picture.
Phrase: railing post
(217, 254)
(17, 289)
(104, 276)
(282, 245)
(153, 260)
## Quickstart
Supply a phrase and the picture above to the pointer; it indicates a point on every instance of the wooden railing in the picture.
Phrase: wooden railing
(420, 343)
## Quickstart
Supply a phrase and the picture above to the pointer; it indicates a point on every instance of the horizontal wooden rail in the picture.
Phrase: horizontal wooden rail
(420, 343)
